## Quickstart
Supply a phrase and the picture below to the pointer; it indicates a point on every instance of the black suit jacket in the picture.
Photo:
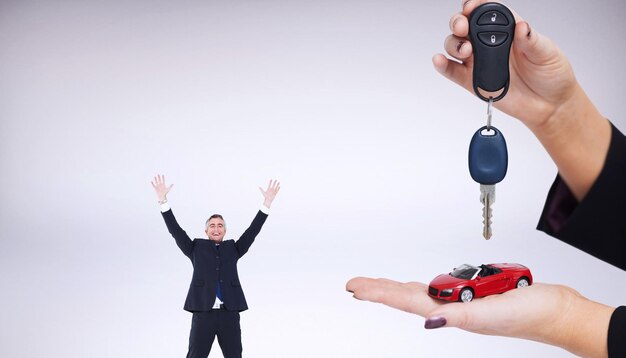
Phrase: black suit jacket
(211, 264)
(597, 224)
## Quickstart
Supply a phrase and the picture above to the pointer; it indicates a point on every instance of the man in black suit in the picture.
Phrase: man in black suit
(215, 296)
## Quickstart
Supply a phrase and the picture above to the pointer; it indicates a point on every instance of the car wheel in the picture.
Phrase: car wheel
(522, 282)
(466, 295)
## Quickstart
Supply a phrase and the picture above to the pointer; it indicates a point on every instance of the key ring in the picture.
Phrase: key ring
(489, 105)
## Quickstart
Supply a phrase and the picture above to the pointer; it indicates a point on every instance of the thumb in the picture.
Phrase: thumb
(458, 315)
(537, 48)
(485, 316)
(479, 316)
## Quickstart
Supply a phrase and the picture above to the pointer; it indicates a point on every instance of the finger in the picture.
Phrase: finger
(411, 297)
(537, 48)
(459, 73)
(390, 293)
(459, 25)
(262, 191)
(470, 5)
(494, 315)
(456, 314)
(458, 47)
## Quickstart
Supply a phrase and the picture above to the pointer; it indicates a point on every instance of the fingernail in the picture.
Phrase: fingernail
(458, 46)
(465, 3)
(435, 322)
(529, 31)
(350, 291)
(454, 22)
(356, 298)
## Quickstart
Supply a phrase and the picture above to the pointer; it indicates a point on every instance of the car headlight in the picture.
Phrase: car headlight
(447, 292)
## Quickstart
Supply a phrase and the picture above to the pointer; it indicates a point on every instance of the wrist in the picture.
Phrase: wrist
(577, 137)
(585, 328)
(162, 201)
(567, 113)
(267, 203)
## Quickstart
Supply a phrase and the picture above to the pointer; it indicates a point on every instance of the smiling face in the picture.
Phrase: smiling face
(216, 228)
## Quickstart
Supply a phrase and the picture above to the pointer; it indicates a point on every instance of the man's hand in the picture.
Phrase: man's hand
(160, 188)
(552, 314)
(270, 193)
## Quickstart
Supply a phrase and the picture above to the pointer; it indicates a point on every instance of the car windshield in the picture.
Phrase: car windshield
(464, 272)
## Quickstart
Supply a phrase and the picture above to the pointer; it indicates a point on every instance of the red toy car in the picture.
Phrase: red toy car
(467, 281)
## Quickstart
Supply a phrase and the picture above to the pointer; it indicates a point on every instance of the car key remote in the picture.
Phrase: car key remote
(488, 162)
(491, 30)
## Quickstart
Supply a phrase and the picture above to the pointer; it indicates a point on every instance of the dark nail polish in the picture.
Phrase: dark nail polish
(435, 322)
(350, 291)
(465, 3)
(529, 31)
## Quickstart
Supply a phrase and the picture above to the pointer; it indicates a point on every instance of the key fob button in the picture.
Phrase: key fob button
(493, 39)
(493, 18)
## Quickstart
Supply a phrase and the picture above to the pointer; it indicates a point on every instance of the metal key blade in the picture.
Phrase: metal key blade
(487, 219)
(487, 198)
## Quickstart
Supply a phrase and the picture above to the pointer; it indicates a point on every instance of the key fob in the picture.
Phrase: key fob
(488, 157)
(491, 29)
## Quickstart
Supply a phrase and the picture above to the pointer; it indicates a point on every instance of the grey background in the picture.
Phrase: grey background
(337, 99)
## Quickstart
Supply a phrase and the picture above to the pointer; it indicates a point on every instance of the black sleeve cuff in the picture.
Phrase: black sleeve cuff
(617, 333)
(597, 224)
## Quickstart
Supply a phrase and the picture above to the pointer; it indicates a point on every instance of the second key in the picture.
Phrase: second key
(488, 162)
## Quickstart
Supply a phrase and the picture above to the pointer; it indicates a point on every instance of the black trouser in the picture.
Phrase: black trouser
(204, 327)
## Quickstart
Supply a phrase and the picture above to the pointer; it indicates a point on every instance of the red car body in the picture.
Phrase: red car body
(467, 282)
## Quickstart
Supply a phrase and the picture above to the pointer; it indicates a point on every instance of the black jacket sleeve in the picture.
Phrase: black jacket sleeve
(247, 238)
(597, 224)
(617, 332)
(182, 239)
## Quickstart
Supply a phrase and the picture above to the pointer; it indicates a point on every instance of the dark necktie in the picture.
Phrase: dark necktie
(219, 288)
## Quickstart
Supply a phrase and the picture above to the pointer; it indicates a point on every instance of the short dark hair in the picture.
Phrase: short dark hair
(214, 216)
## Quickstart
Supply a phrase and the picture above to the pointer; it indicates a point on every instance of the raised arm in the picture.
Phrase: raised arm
(246, 240)
(182, 239)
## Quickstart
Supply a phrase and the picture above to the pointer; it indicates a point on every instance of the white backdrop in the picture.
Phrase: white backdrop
(337, 99)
